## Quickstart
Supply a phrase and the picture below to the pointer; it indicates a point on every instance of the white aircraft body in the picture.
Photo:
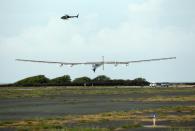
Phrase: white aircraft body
(97, 64)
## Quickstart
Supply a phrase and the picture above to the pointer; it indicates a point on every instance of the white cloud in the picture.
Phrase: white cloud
(147, 6)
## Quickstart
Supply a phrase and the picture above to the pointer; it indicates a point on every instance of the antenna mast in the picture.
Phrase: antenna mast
(103, 62)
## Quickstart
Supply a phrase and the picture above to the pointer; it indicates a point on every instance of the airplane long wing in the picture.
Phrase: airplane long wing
(96, 64)
(49, 62)
(138, 61)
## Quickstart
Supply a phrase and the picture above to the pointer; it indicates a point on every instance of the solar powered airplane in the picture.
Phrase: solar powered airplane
(97, 64)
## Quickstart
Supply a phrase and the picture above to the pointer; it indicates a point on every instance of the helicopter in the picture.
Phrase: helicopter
(66, 17)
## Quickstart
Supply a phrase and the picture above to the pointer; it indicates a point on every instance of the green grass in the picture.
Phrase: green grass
(51, 128)
(181, 129)
(26, 92)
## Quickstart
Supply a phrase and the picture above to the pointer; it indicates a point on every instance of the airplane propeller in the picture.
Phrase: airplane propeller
(115, 64)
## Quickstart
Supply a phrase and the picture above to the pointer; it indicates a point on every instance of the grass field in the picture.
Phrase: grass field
(96, 108)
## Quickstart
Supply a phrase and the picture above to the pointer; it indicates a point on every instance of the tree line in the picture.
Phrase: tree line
(65, 80)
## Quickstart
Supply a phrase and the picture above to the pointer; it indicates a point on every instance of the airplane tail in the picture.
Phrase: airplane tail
(77, 15)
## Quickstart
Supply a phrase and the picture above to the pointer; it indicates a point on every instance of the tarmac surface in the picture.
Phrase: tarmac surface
(27, 108)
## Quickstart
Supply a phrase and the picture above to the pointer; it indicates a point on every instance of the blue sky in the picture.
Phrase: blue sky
(119, 30)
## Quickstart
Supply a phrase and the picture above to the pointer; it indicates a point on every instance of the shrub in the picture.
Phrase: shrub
(33, 81)
(61, 80)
